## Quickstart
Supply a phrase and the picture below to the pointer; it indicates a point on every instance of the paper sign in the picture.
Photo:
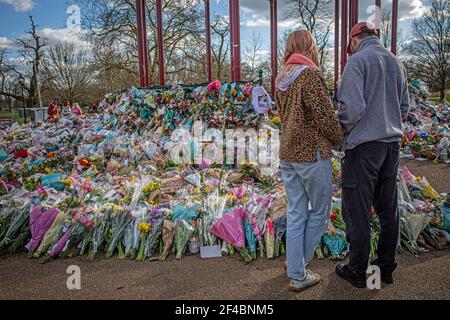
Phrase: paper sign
(210, 252)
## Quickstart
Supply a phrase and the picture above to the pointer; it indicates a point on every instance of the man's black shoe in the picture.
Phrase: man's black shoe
(386, 275)
(356, 279)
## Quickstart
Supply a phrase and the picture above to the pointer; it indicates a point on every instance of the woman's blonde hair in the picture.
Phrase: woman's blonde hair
(302, 42)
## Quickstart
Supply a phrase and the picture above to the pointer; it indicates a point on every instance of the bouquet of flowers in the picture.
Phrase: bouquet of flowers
(213, 208)
(102, 226)
(120, 219)
(280, 225)
(168, 234)
(51, 236)
(18, 229)
(151, 191)
(40, 222)
(257, 209)
(78, 229)
(230, 228)
(144, 229)
(183, 231)
(269, 239)
(11, 202)
(128, 239)
(138, 191)
(135, 239)
(157, 217)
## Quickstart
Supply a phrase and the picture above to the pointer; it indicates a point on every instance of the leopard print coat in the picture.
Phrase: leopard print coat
(308, 122)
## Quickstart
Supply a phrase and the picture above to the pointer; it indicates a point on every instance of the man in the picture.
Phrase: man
(373, 97)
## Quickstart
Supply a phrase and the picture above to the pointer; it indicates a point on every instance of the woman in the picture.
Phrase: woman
(53, 111)
(76, 110)
(66, 110)
(308, 129)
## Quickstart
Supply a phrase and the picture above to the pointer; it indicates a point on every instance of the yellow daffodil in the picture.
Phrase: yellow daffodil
(67, 181)
(276, 120)
(118, 208)
(144, 227)
(48, 170)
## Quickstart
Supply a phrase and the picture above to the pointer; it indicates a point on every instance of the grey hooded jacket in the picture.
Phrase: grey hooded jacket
(373, 96)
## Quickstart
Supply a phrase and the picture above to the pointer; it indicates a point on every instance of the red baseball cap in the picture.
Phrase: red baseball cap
(359, 28)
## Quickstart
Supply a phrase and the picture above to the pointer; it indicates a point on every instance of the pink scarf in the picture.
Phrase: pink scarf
(298, 58)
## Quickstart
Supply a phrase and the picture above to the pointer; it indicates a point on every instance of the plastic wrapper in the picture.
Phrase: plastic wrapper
(157, 222)
(269, 239)
(446, 213)
(183, 231)
(280, 226)
(336, 244)
(168, 234)
(128, 240)
(53, 181)
(213, 209)
(427, 189)
(51, 236)
(119, 222)
(250, 237)
(185, 213)
(230, 228)
(40, 222)
(18, 222)
(417, 223)
(278, 207)
(100, 232)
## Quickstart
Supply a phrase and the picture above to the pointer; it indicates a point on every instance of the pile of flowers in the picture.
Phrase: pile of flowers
(427, 129)
(106, 185)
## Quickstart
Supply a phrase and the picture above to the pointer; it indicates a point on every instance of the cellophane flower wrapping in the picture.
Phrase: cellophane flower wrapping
(20, 212)
(120, 220)
(40, 222)
(157, 221)
(230, 228)
(168, 234)
(183, 231)
(51, 236)
(269, 239)
(101, 229)
(213, 208)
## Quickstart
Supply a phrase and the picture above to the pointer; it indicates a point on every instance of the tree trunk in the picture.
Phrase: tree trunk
(442, 91)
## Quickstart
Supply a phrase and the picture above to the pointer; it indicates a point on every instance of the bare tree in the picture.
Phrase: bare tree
(113, 22)
(27, 72)
(386, 33)
(113, 70)
(253, 57)
(220, 47)
(68, 70)
(315, 16)
(8, 81)
(429, 51)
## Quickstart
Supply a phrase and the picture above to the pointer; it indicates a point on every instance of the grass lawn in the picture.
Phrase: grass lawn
(14, 115)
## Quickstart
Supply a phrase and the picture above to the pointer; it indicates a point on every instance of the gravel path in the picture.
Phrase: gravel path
(423, 277)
